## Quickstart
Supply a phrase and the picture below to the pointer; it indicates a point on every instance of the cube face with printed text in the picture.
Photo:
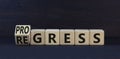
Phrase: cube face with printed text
(25, 36)
(96, 37)
(81, 37)
(22, 34)
(37, 37)
(66, 37)
(52, 37)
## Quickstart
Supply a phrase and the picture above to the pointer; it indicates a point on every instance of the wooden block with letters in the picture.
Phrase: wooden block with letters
(37, 37)
(81, 37)
(22, 34)
(52, 37)
(66, 37)
(96, 37)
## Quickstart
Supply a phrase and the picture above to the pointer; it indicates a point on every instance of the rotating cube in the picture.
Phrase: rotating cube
(22, 34)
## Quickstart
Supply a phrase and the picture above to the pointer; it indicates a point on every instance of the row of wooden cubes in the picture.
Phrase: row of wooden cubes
(25, 36)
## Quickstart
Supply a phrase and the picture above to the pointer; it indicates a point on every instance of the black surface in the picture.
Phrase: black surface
(60, 14)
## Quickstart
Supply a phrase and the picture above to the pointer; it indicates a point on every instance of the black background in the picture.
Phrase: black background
(60, 14)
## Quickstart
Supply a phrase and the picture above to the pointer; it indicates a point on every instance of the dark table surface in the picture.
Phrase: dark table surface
(60, 14)
(59, 52)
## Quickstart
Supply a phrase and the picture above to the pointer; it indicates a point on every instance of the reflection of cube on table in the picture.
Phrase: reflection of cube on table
(22, 34)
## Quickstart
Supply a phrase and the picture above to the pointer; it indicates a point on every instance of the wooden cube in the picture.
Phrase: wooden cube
(81, 37)
(96, 37)
(52, 37)
(37, 37)
(22, 34)
(66, 37)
